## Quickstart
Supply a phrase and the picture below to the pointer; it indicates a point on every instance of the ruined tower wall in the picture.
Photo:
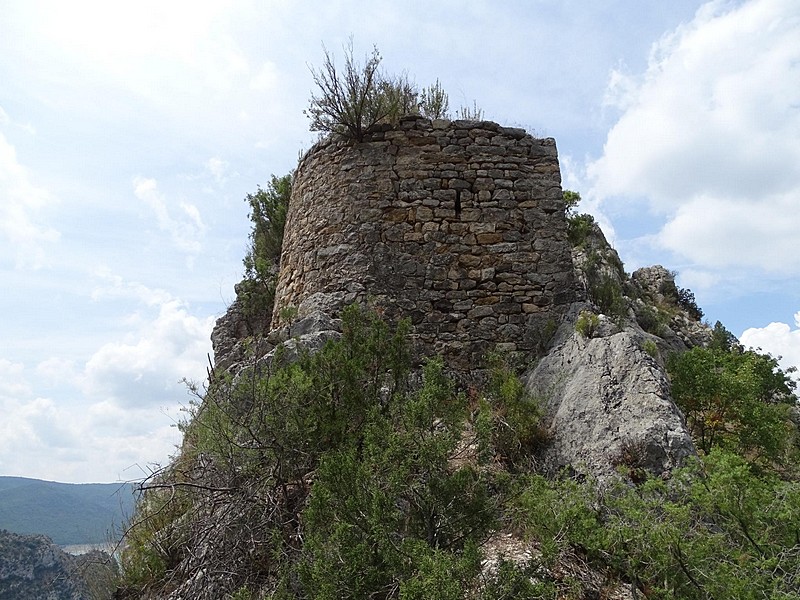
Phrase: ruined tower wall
(458, 225)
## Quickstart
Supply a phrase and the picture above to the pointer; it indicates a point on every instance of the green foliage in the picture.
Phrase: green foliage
(651, 319)
(715, 530)
(381, 513)
(268, 215)
(587, 323)
(578, 228)
(338, 451)
(336, 477)
(571, 201)
(287, 314)
(687, 302)
(530, 581)
(683, 297)
(722, 339)
(605, 290)
(399, 96)
(268, 209)
(514, 417)
(606, 293)
(650, 347)
(154, 543)
(471, 113)
(351, 102)
(578, 225)
(735, 399)
(434, 102)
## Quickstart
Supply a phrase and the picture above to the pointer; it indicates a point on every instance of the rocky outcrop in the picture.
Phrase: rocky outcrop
(607, 403)
(33, 567)
(657, 294)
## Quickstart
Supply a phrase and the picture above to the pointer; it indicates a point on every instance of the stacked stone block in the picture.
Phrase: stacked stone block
(458, 225)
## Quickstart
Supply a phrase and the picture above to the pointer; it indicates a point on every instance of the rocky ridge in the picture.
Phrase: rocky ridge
(605, 391)
(33, 567)
(595, 339)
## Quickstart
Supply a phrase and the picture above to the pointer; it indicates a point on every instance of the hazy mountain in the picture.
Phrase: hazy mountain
(68, 513)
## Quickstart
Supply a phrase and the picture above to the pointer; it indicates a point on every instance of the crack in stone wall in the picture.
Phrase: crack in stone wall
(458, 225)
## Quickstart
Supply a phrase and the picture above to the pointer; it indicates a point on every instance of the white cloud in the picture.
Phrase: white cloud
(56, 371)
(185, 231)
(779, 339)
(23, 211)
(710, 136)
(114, 286)
(761, 234)
(145, 368)
(13, 384)
(267, 77)
(81, 419)
(66, 441)
(218, 169)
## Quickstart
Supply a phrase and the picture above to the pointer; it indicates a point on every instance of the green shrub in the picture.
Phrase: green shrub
(156, 541)
(687, 302)
(511, 580)
(578, 229)
(434, 102)
(650, 319)
(515, 416)
(471, 113)
(606, 293)
(351, 102)
(650, 347)
(268, 209)
(571, 201)
(735, 399)
(381, 511)
(715, 530)
(587, 323)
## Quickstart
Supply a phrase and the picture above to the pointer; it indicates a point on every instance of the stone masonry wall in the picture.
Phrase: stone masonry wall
(458, 225)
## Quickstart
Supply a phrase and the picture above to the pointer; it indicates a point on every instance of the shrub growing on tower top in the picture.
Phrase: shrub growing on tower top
(349, 102)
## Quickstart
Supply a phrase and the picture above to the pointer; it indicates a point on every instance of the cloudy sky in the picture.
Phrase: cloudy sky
(130, 133)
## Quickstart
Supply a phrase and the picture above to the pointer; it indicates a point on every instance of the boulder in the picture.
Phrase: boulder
(607, 406)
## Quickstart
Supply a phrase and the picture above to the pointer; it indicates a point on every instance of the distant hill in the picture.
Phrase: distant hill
(68, 513)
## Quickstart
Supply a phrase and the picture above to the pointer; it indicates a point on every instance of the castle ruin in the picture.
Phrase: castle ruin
(458, 225)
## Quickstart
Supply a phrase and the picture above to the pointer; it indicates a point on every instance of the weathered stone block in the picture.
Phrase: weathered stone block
(383, 215)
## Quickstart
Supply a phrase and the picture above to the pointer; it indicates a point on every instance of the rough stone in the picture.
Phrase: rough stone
(435, 228)
(607, 405)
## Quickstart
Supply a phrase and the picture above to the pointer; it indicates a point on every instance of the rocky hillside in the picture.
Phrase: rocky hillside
(622, 449)
(32, 567)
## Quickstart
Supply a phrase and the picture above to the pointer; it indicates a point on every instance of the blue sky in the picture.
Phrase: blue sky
(130, 134)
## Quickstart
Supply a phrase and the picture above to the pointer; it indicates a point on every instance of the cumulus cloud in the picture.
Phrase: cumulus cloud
(146, 367)
(12, 381)
(105, 416)
(23, 210)
(709, 135)
(69, 441)
(218, 169)
(779, 339)
(267, 77)
(186, 229)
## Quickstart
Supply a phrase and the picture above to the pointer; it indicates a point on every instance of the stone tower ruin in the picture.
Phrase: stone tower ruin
(457, 225)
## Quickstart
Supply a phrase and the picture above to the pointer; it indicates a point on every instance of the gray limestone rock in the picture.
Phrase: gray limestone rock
(607, 406)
